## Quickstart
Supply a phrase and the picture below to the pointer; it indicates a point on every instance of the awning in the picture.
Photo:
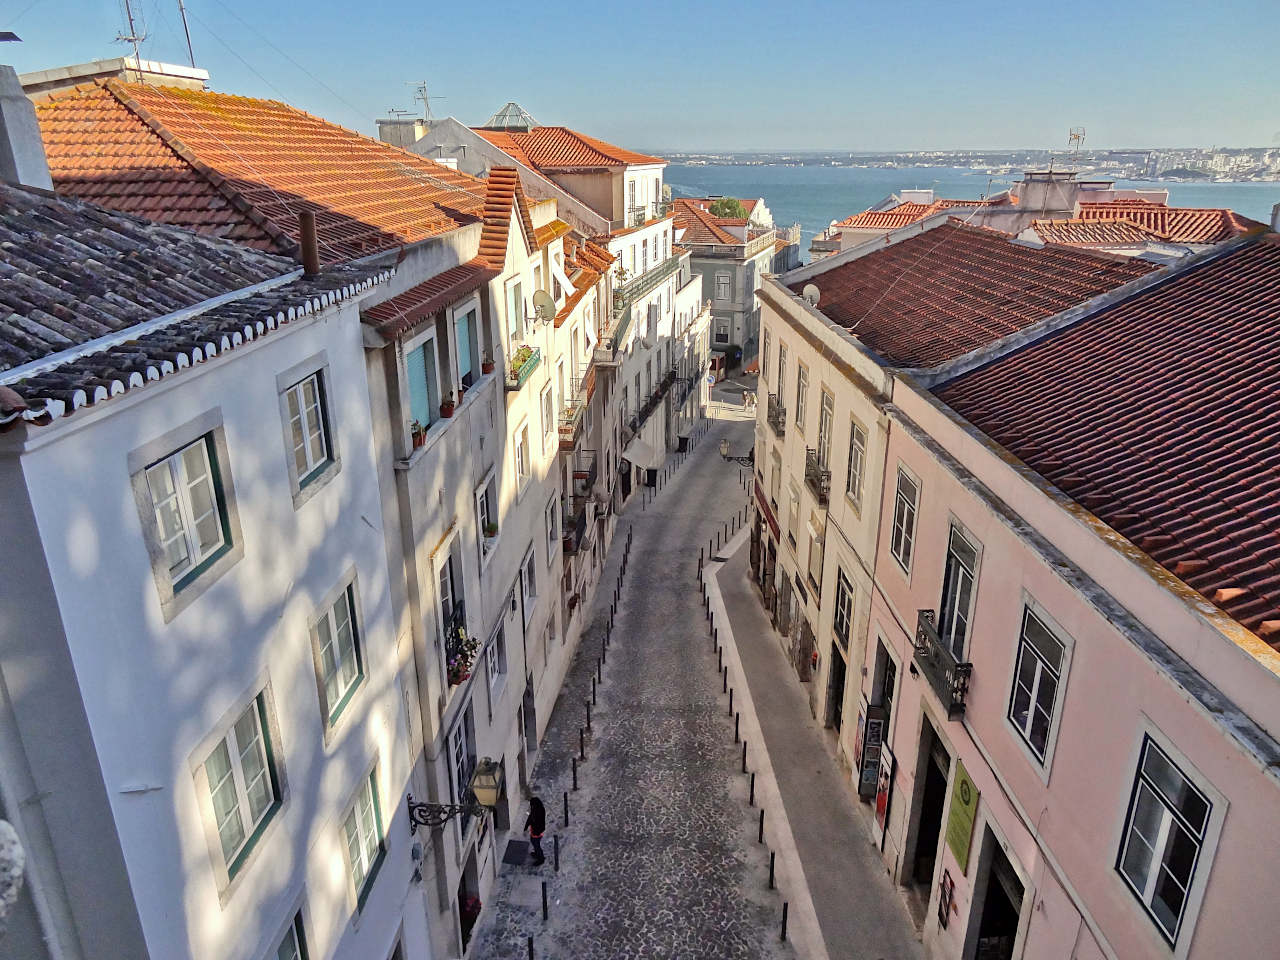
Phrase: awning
(643, 456)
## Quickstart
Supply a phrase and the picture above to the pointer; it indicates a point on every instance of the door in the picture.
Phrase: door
(933, 800)
(835, 689)
(1001, 905)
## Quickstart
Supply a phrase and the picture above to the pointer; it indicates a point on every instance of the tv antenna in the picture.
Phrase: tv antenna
(420, 93)
(133, 36)
(182, 12)
(1075, 140)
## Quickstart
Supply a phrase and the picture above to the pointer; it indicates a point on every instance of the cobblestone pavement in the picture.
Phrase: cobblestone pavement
(660, 858)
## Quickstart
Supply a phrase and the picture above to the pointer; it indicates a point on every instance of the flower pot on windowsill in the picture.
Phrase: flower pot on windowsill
(446, 406)
(486, 366)
(419, 433)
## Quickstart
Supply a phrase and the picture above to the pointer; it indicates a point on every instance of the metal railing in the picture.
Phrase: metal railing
(585, 472)
(816, 475)
(949, 678)
(573, 412)
(575, 522)
(776, 414)
(516, 380)
(459, 648)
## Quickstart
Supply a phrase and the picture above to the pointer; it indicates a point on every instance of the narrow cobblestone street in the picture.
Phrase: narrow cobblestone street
(660, 858)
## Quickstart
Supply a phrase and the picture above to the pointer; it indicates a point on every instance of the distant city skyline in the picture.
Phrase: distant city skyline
(921, 75)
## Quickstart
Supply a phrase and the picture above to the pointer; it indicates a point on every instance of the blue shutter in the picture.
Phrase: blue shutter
(464, 348)
(420, 408)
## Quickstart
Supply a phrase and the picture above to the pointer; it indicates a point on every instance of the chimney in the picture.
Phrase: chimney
(1275, 218)
(22, 160)
(310, 243)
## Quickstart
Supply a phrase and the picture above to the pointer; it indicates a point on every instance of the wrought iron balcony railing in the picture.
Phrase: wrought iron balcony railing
(949, 679)
(575, 522)
(585, 472)
(816, 475)
(776, 415)
(459, 648)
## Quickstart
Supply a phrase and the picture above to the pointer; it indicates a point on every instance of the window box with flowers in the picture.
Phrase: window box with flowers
(523, 362)
(460, 654)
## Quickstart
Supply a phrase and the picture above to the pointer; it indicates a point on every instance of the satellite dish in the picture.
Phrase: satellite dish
(544, 308)
(811, 294)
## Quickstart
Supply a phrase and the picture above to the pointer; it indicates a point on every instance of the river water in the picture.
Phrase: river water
(814, 196)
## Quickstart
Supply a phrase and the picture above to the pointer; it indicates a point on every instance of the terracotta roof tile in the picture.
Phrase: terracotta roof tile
(1175, 224)
(905, 214)
(242, 169)
(1172, 446)
(406, 311)
(700, 226)
(548, 232)
(1093, 233)
(503, 193)
(559, 148)
(936, 296)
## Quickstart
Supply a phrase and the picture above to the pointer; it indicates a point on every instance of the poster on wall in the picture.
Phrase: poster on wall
(964, 810)
(869, 764)
(858, 732)
(884, 794)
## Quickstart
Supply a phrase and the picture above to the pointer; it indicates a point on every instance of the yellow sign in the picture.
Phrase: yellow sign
(964, 810)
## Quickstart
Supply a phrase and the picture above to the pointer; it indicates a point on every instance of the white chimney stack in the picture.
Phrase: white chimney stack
(22, 159)
(1275, 218)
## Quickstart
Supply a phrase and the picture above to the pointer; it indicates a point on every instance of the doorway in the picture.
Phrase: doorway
(997, 904)
(937, 765)
(835, 689)
(468, 900)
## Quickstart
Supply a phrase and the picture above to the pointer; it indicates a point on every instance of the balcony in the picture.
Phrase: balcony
(575, 522)
(585, 473)
(574, 411)
(459, 648)
(776, 414)
(949, 679)
(817, 476)
(523, 363)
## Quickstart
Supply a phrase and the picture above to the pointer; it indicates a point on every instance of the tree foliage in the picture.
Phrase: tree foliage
(729, 207)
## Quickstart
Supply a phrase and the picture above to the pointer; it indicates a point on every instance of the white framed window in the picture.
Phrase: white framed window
(802, 395)
(467, 345)
(548, 415)
(528, 585)
(793, 518)
(422, 377)
(487, 514)
(495, 656)
(764, 358)
(1168, 827)
(782, 373)
(515, 313)
(242, 782)
(551, 513)
(857, 464)
(724, 284)
(826, 415)
(523, 467)
(906, 502)
(294, 944)
(722, 331)
(775, 478)
(1037, 684)
(815, 562)
(362, 828)
(462, 761)
(339, 663)
(308, 429)
(190, 509)
(956, 606)
(843, 621)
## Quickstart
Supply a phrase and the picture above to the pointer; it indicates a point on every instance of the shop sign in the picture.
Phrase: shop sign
(872, 741)
(964, 810)
(884, 794)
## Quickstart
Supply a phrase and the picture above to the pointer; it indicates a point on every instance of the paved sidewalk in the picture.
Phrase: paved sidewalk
(860, 913)
(660, 858)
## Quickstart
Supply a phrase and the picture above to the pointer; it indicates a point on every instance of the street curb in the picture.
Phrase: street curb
(805, 932)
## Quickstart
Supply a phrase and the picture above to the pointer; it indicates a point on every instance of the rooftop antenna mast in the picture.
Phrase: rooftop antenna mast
(420, 93)
(1075, 140)
(182, 11)
(133, 37)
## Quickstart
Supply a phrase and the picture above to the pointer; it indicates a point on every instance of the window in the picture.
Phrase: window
(548, 415)
(1036, 679)
(885, 684)
(857, 463)
(904, 520)
(462, 761)
(764, 358)
(522, 457)
(243, 784)
(644, 255)
(308, 431)
(802, 394)
(723, 286)
(722, 331)
(336, 641)
(294, 944)
(191, 514)
(844, 609)
(553, 529)
(1164, 834)
(422, 376)
(815, 560)
(464, 328)
(793, 519)
(528, 585)
(362, 827)
(487, 514)
(782, 373)
(957, 593)
(495, 657)
(825, 416)
(775, 478)
(648, 376)
(515, 313)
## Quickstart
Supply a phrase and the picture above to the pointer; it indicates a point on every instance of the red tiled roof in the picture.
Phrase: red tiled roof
(405, 311)
(700, 226)
(1174, 224)
(1093, 233)
(1159, 415)
(905, 214)
(559, 148)
(502, 194)
(550, 231)
(936, 296)
(242, 169)
(589, 262)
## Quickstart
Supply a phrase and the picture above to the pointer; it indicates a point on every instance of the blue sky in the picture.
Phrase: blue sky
(901, 75)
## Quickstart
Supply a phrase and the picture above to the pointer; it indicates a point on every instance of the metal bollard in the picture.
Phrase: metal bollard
(731, 707)
(751, 799)
(760, 836)
(566, 808)
(784, 921)
(724, 679)
(555, 840)
(544, 904)
(736, 718)
(582, 744)
(593, 684)
(574, 761)
(530, 941)
(720, 661)
(588, 706)
(744, 755)
(772, 856)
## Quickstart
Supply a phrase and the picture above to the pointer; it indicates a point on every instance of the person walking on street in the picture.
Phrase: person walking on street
(536, 826)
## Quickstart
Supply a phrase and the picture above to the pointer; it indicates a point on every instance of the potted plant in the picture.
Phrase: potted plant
(419, 434)
(446, 405)
(522, 355)
(490, 530)
(486, 364)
